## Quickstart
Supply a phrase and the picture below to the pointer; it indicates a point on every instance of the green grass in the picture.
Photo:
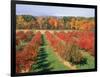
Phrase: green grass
(90, 62)
(47, 60)
(56, 64)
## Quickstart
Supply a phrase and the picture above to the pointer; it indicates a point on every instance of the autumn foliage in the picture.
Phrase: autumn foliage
(51, 22)
(26, 57)
(68, 45)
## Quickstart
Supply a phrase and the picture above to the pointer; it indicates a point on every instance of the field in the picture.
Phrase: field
(54, 43)
(52, 50)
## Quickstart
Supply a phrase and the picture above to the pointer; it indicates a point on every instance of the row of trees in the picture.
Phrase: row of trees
(51, 22)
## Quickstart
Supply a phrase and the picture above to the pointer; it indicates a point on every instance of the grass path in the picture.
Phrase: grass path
(66, 63)
(57, 64)
(47, 60)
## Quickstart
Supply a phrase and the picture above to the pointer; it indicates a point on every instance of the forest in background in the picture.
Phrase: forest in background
(55, 22)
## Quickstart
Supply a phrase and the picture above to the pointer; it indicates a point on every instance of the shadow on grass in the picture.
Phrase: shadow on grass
(84, 61)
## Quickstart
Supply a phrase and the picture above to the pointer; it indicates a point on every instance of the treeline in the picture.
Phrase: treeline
(54, 23)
